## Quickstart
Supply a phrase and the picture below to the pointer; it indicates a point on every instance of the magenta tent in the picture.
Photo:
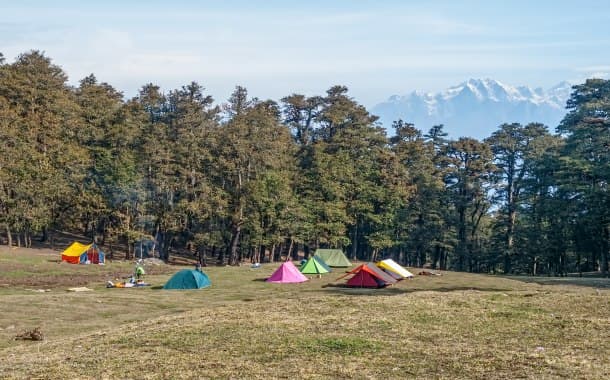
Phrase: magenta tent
(287, 273)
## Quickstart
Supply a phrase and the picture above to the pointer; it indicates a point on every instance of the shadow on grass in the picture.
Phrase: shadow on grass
(590, 282)
(394, 291)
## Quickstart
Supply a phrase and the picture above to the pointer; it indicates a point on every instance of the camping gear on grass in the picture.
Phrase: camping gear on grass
(333, 258)
(78, 253)
(368, 276)
(287, 273)
(394, 269)
(428, 273)
(188, 279)
(127, 284)
(315, 265)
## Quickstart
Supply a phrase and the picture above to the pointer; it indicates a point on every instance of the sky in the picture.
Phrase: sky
(276, 48)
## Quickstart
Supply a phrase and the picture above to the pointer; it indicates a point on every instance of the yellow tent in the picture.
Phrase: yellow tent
(394, 269)
(78, 253)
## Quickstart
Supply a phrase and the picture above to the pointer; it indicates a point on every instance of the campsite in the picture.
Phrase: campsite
(305, 190)
(457, 325)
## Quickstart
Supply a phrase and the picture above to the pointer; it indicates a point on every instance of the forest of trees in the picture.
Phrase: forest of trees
(247, 177)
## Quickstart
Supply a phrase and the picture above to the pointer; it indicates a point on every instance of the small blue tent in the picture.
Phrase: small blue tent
(188, 279)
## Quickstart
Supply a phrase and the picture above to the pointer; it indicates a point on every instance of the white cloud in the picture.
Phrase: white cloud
(596, 68)
(588, 72)
(599, 75)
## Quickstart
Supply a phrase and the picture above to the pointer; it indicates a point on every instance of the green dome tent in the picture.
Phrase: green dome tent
(188, 279)
(333, 257)
(315, 265)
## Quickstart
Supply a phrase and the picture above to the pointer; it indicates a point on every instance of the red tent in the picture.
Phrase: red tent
(369, 276)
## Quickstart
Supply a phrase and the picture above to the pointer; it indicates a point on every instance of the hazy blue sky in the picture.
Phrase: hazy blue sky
(376, 48)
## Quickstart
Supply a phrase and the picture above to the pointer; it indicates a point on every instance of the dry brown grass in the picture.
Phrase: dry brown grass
(454, 326)
(43, 268)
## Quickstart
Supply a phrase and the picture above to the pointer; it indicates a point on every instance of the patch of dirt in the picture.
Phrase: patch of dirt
(41, 280)
(35, 334)
(152, 261)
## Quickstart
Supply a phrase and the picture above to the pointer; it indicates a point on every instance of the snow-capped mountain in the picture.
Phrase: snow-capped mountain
(477, 107)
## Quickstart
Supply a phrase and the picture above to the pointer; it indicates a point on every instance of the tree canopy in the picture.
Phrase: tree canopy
(257, 179)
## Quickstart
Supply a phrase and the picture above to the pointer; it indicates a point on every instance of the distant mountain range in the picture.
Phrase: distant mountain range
(476, 107)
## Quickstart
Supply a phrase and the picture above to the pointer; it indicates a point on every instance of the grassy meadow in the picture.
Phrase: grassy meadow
(456, 325)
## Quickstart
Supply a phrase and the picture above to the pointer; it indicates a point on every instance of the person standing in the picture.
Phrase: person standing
(139, 272)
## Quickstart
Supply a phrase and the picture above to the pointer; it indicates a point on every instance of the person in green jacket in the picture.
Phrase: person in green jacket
(139, 272)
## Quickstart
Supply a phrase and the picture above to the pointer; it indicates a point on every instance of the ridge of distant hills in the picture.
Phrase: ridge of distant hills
(475, 108)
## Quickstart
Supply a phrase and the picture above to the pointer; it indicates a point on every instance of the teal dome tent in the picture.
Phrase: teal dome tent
(188, 279)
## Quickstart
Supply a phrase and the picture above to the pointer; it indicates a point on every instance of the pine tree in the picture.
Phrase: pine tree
(587, 162)
(469, 181)
(512, 146)
(42, 126)
(254, 145)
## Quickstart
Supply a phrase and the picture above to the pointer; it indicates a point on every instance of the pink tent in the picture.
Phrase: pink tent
(287, 273)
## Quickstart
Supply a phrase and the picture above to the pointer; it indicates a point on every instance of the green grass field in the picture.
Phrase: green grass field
(456, 325)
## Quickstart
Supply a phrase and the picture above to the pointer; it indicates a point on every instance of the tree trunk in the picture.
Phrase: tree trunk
(128, 253)
(167, 242)
(605, 251)
(510, 237)
(222, 257)
(254, 257)
(290, 253)
(507, 262)
(104, 235)
(422, 256)
(436, 258)
(232, 248)
(443, 259)
(9, 237)
(462, 239)
(271, 257)
(512, 215)
(355, 243)
(203, 258)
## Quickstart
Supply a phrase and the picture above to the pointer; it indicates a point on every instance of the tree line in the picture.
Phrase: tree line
(257, 179)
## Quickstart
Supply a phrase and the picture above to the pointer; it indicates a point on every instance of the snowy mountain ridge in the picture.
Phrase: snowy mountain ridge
(476, 107)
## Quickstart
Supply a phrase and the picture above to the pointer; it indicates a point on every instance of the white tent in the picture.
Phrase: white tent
(390, 265)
